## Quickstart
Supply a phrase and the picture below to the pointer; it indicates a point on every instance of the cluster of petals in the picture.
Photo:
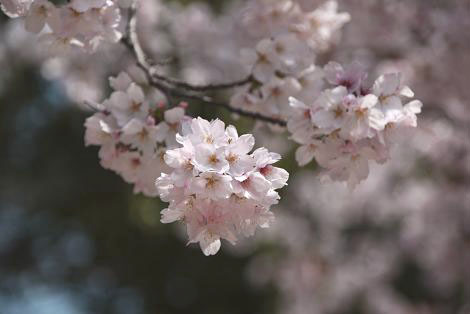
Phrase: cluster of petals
(351, 123)
(316, 25)
(79, 23)
(133, 135)
(216, 186)
(281, 62)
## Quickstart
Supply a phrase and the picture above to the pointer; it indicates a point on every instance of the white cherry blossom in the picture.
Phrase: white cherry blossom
(120, 82)
(171, 125)
(331, 109)
(320, 27)
(38, 14)
(85, 5)
(262, 61)
(212, 185)
(143, 135)
(275, 95)
(209, 158)
(364, 119)
(351, 76)
(15, 8)
(128, 105)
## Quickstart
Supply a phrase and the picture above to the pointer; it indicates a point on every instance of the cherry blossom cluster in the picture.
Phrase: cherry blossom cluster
(315, 25)
(216, 187)
(205, 170)
(79, 23)
(133, 135)
(281, 63)
(351, 122)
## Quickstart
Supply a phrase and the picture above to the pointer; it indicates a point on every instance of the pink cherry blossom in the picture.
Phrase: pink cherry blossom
(212, 175)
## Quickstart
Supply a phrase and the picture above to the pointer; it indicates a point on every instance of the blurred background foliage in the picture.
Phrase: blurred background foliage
(74, 239)
(67, 223)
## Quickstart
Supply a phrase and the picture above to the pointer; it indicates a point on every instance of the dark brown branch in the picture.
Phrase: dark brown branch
(250, 114)
(168, 86)
(201, 88)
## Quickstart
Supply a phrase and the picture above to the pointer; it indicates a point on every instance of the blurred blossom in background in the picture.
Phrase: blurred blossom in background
(74, 239)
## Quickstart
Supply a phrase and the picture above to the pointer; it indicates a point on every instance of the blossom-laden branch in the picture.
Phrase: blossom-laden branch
(175, 88)
(339, 119)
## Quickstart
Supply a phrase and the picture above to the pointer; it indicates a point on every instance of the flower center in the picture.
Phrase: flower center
(213, 159)
(383, 98)
(143, 135)
(338, 112)
(276, 92)
(280, 48)
(262, 58)
(135, 162)
(135, 106)
(188, 165)
(360, 113)
(232, 158)
(266, 170)
(211, 182)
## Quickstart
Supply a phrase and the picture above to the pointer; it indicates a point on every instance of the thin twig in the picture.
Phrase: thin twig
(250, 114)
(168, 86)
(202, 88)
(163, 62)
(131, 41)
(93, 106)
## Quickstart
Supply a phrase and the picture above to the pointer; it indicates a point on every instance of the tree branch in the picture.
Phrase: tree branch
(175, 88)
(202, 88)
(250, 114)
